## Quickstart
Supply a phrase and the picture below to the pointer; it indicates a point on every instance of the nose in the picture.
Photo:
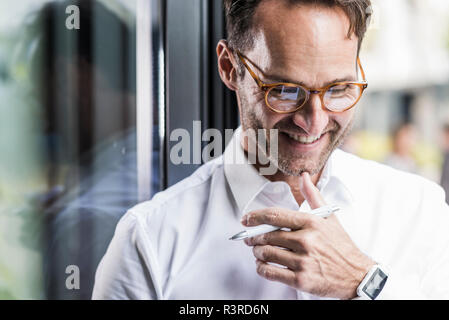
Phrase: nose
(312, 117)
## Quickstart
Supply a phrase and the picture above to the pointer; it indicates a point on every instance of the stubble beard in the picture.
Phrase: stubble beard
(289, 164)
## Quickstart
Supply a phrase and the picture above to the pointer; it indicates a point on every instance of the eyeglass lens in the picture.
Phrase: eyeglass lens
(336, 98)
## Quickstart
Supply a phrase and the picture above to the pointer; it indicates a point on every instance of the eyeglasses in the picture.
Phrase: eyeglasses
(285, 97)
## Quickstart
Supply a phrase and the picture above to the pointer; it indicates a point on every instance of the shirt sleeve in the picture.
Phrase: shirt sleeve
(428, 279)
(129, 268)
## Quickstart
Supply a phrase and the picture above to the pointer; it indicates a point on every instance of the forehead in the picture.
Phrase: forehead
(303, 36)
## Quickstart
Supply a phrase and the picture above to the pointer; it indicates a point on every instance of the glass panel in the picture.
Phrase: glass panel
(68, 165)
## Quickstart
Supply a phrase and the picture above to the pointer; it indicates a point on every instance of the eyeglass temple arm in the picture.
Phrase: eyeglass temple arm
(255, 77)
(361, 69)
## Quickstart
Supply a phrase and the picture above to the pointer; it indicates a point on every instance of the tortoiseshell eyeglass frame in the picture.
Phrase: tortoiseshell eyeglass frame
(321, 91)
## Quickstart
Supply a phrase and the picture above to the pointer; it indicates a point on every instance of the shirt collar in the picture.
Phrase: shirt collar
(246, 182)
(243, 178)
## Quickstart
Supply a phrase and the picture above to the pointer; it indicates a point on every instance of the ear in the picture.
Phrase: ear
(226, 65)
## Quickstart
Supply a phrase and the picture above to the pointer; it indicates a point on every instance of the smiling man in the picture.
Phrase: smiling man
(294, 67)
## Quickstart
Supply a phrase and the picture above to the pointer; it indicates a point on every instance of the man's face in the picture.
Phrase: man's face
(306, 45)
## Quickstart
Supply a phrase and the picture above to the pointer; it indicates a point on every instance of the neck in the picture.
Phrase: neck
(291, 180)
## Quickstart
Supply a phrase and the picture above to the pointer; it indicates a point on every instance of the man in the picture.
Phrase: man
(389, 238)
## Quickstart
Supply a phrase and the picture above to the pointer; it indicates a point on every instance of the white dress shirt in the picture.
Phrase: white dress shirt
(176, 245)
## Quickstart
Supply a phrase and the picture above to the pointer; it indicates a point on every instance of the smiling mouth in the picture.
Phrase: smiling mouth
(303, 139)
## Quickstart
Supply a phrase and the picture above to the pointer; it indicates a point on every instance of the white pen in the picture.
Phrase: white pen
(322, 212)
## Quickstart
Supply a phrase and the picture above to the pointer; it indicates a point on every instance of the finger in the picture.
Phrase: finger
(310, 192)
(276, 217)
(275, 238)
(279, 256)
(274, 273)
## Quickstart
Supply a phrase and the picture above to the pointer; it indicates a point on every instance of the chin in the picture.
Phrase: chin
(294, 166)
(296, 169)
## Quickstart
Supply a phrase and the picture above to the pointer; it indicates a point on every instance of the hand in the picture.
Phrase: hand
(319, 256)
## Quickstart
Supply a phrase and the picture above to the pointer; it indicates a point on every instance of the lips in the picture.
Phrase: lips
(304, 139)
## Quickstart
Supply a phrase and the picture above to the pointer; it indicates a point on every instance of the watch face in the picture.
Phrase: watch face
(375, 284)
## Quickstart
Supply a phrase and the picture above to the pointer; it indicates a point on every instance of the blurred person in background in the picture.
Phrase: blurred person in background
(445, 169)
(404, 140)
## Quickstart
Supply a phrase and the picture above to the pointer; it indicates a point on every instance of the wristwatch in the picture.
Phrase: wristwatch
(373, 283)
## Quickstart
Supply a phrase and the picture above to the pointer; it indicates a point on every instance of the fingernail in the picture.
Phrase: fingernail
(244, 220)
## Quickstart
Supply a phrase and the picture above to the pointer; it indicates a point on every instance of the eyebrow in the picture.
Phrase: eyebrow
(277, 79)
(347, 78)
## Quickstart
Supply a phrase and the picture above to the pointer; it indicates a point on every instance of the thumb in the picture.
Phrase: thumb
(310, 192)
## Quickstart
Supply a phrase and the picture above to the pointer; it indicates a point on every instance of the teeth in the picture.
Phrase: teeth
(304, 139)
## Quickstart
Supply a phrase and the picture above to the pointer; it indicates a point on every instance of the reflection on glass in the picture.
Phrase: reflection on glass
(68, 143)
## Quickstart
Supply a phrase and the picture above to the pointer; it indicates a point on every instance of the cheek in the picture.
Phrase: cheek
(343, 119)
(253, 107)
(252, 98)
(268, 117)
(271, 118)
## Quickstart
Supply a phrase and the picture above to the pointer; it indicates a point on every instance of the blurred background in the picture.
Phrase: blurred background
(85, 117)
(402, 118)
